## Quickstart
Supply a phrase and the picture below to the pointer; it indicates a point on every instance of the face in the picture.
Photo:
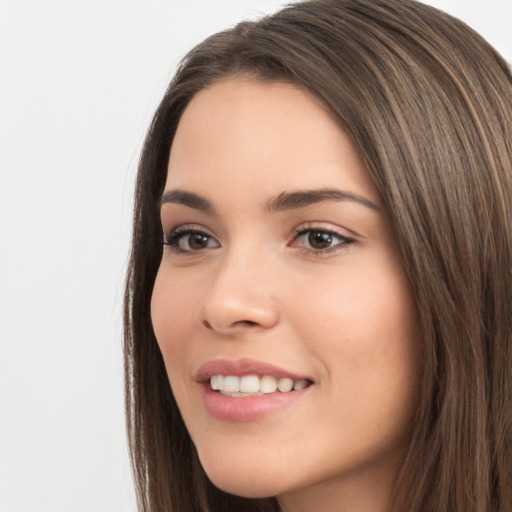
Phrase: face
(279, 269)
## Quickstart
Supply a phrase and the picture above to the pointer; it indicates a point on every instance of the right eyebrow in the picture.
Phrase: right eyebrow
(187, 199)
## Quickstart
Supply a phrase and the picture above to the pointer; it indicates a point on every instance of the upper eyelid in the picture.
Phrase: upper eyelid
(296, 230)
(325, 226)
(189, 226)
(301, 232)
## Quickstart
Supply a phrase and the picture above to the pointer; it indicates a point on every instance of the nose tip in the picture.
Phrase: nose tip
(233, 318)
(230, 307)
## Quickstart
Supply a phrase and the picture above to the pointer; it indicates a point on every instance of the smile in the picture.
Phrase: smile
(253, 385)
(244, 390)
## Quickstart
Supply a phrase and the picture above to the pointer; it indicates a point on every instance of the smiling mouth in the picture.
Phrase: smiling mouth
(253, 385)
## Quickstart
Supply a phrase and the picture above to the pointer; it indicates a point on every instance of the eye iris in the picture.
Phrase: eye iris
(198, 241)
(319, 239)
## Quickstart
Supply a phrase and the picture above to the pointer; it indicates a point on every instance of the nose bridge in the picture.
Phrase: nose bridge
(239, 294)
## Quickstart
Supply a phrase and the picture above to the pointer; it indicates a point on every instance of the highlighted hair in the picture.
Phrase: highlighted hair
(428, 104)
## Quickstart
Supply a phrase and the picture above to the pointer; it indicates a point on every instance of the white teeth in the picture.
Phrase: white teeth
(253, 385)
(250, 384)
(284, 385)
(268, 384)
(217, 382)
(300, 384)
(231, 384)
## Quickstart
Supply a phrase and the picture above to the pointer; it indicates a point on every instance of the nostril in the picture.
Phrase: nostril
(240, 323)
(249, 323)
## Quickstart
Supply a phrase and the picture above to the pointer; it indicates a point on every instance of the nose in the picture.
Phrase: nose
(239, 297)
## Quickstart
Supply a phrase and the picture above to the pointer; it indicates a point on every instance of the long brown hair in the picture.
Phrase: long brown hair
(428, 103)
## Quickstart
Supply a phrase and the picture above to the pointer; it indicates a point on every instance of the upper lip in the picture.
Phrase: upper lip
(241, 367)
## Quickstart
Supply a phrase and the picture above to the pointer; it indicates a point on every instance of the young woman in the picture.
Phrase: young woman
(318, 311)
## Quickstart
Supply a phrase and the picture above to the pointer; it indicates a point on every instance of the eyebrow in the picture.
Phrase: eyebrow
(187, 199)
(283, 202)
(300, 199)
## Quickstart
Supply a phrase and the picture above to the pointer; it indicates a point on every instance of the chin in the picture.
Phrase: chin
(243, 481)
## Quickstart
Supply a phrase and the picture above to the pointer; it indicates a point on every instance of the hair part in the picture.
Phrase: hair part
(428, 104)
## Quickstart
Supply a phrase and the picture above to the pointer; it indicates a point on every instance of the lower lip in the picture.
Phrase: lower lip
(247, 408)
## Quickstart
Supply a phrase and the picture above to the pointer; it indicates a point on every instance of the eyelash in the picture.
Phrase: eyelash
(175, 238)
(302, 231)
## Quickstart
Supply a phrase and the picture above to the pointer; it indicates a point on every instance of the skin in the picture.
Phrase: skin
(343, 316)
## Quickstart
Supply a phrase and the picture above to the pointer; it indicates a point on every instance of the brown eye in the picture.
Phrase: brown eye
(319, 239)
(197, 241)
(189, 241)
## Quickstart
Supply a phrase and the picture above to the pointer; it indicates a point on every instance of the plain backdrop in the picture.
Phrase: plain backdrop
(79, 81)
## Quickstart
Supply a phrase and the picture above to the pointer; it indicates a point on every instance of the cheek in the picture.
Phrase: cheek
(366, 309)
(364, 328)
(172, 313)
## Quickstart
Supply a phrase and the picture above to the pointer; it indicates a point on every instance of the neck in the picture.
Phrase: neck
(362, 491)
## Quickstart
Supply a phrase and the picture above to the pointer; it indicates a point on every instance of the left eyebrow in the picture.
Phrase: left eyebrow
(302, 198)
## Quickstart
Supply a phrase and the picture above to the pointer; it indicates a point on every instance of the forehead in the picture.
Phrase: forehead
(278, 134)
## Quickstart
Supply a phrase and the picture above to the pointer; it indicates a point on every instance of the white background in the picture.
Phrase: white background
(79, 81)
